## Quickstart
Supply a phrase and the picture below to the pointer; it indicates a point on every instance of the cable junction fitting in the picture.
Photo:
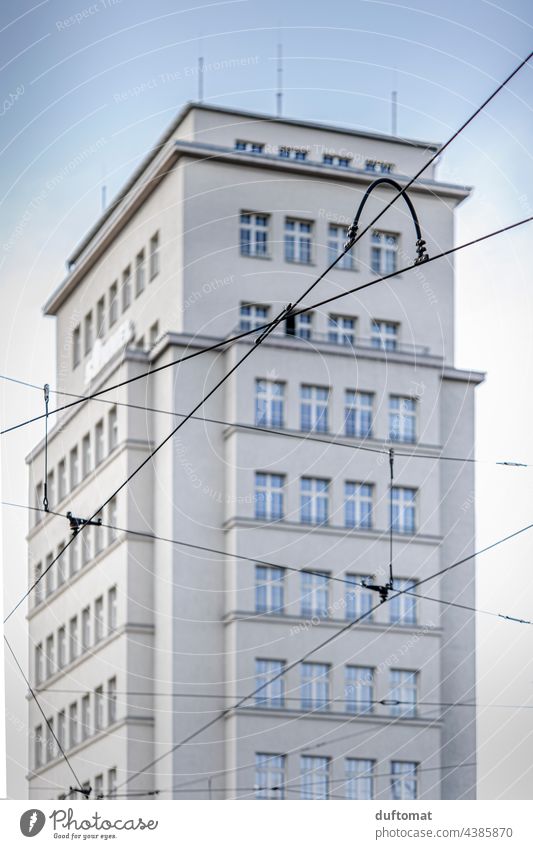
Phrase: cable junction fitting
(85, 791)
(76, 522)
(274, 323)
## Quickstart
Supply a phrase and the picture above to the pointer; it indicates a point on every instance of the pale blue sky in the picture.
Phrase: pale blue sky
(68, 89)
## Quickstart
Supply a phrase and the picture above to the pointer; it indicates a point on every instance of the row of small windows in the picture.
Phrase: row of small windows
(301, 154)
(269, 500)
(315, 778)
(86, 545)
(342, 329)
(95, 447)
(97, 785)
(315, 592)
(106, 312)
(254, 241)
(85, 631)
(91, 714)
(270, 406)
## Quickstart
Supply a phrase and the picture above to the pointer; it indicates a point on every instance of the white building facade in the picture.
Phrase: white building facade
(137, 640)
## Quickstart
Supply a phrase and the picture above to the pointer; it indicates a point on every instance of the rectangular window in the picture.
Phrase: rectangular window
(269, 403)
(50, 488)
(402, 608)
(403, 510)
(111, 701)
(85, 545)
(336, 239)
(300, 325)
(139, 274)
(359, 778)
(113, 303)
(49, 574)
(154, 256)
(50, 746)
(314, 777)
(99, 619)
(402, 419)
(298, 241)
(99, 786)
(314, 402)
(86, 457)
(404, 692)
(73, 645)
(269, 776)
(112, 428)
(73, 724)
(85, 628)
(39, 492)
(269, 589)
(111, 782)
(85, 716)
(89, 332)
(73, 556)
(111, 609)
(359, 689)
(99, 447)
(126, 288)
(38, 591)
(383, 252)
(314, 499)
(341, 330)
(61, 565)
(38, 746)
(315, 686)
(61, 729)
(253, 234)
(61, 479)
(100, 318)
(38, 664)
(269, 496)
(384, 335)
(358, 600)
(112, 520)
(61, 647)
(98, 708)
(248, 146)
(50, 658)
(273, 693)
(154, 334)
(403, 780)
(74, 468)
(358, 499)
(76, 346)
(314, 594)
(252, 316)
(98, 539)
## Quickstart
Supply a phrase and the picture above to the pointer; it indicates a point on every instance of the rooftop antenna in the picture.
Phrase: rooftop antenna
(200, 72)
(279, 94)
(394, 113)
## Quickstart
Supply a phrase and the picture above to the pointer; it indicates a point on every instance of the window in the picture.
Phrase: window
(384, 335)
(73, 724)
(298, 236)
(403, 509)
(403, 780)
(85, 628)
(99, 619)
(269, 403)
(341, 330)
(269, 776)
(85, 545)
(314, 408)
(61, 479)
(61, 647)
(314, 777)
(76, 346)
(336, 239)
(315, 686)
(297, 153)
(269, 496)
(358, 505)
(339, 161)
(49, 573)
(273, 693)
(402, 419)
(252, 316)
(402, 608)
(314, 501)
(38, 664)
(73, 646)
(99, 786)
(38, 592)
(113, 303)
(111, 782)
(139, 274)
(249, 147)
(300, 325)
(61, 565)
(154, 333)
(38, 746)
(112, 428)
(50, 488)
(359, 778)
(100, 317)
(154, 256)
(383, 252)
(269, 589)
(315, 594)
(73, 556)
(86, 459)
(89, 332)
(404, 690)
(98, 539)
(379, 167)
(126, 288)
(111, 701)
(359, 689)
(111, 609)
(358, 600)
(85, 716)
(112, 521)
(74, 468)
(50, 747)
(39, 490)
(253, 234)
(99, 442)
(50, 662)
(61, 728)
(98, 708)
(358, 413)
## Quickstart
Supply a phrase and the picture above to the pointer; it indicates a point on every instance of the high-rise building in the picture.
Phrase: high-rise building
(137, 640)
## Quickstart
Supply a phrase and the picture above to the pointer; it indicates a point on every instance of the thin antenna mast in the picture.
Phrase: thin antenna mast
(279, 95)
(200, 79)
